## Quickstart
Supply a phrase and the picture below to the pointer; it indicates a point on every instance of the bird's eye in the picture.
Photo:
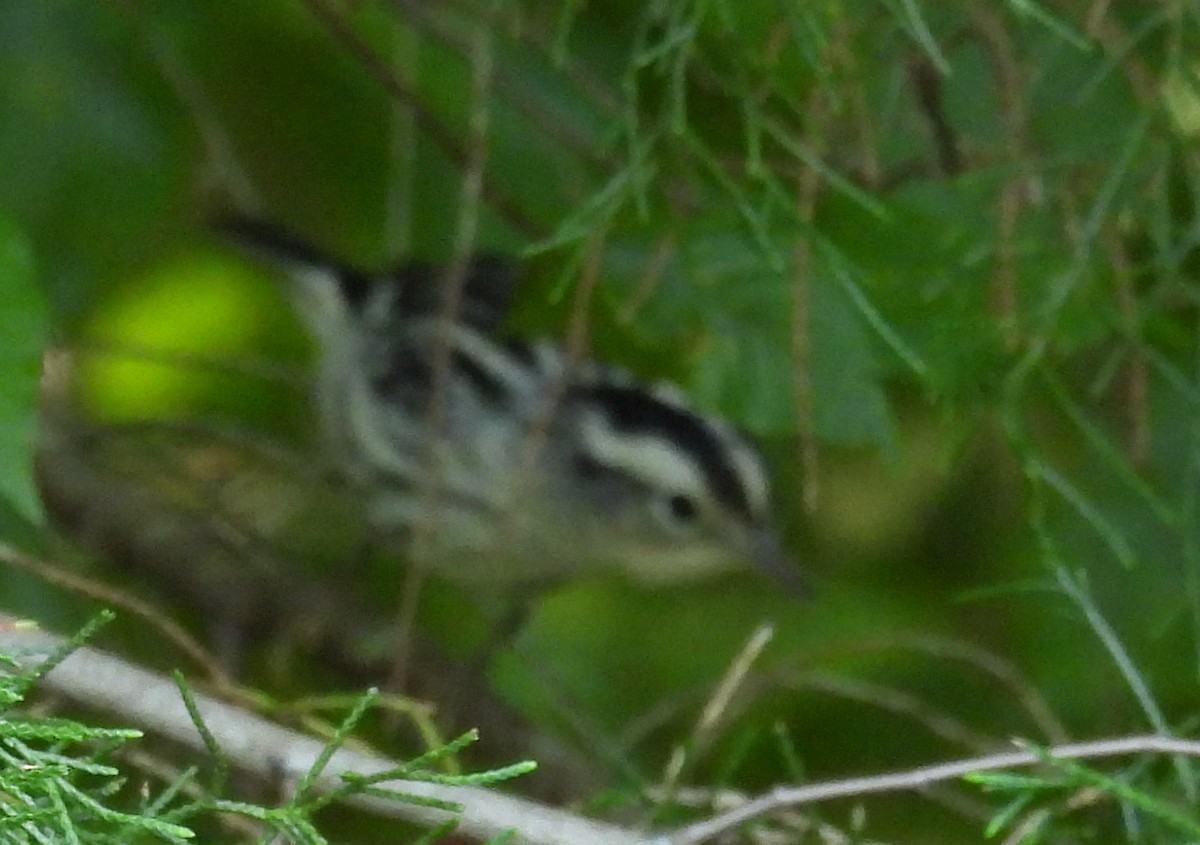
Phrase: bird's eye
(678, 511)
(682, 508)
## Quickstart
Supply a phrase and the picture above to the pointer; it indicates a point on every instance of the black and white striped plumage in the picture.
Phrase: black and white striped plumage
(536, 472)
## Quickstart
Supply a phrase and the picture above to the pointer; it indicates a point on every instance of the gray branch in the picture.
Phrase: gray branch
(152, 703)
(256, 745)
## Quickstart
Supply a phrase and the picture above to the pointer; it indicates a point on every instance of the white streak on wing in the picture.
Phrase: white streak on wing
(382, 444)
(511, 373)
(349, 408)
(513, 376)
(323, 307)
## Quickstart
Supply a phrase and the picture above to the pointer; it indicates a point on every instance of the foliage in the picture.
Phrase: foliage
(64, 780)
(58, 779)
(939, 258)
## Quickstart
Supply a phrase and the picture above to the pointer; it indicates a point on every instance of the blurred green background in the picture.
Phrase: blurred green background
(938, 259)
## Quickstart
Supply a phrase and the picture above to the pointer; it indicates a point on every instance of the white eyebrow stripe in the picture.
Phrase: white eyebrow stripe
(749, 469)
(643, 457)
(731, 468)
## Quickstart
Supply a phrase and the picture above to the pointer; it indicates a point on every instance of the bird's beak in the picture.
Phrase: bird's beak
(770, 557)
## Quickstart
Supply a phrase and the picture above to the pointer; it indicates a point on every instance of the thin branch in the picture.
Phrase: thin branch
(901, 703)
(402, 90)
(921, 777)
(997, 667)
(862, 118)
(260, 747)
(1137, 374)
(808, 191)
(997, 42)
(255, 745)
(718, 704)
(222, 161)
(403, 128)
(527, 101)
(926, 79)
(649, 280)
(575, 348)
(81, 585)
(1078, 593)
(449, 308)
(154, 767)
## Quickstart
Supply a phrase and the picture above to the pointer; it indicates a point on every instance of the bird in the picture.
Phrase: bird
(502, 462)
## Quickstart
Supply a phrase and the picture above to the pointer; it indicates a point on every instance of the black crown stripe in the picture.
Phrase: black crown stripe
(632, 410)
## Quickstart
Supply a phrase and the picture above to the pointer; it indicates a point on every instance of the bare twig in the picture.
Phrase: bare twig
(575, 347)
(265, 749)
(649, 279)
(992, 664)
(1010, 83)
(153, 766)
(403, 126)
(1095, 16)
(717, 705)
(920, 777)
(808, 191)
(861, 116)
(927, 86)
(1078, 593)
(452, 285)
(1137, 375)
(260, 747)
(902, 703)
(339, 28)
(81, 585)
(527, 100)
(1003, 671)
(218, 147)
(1108, 31)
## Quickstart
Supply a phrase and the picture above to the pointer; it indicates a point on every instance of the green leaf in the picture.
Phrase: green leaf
(23, 329)
(849, 403)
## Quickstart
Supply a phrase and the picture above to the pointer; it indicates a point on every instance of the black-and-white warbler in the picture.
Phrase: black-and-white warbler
(526, 470)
